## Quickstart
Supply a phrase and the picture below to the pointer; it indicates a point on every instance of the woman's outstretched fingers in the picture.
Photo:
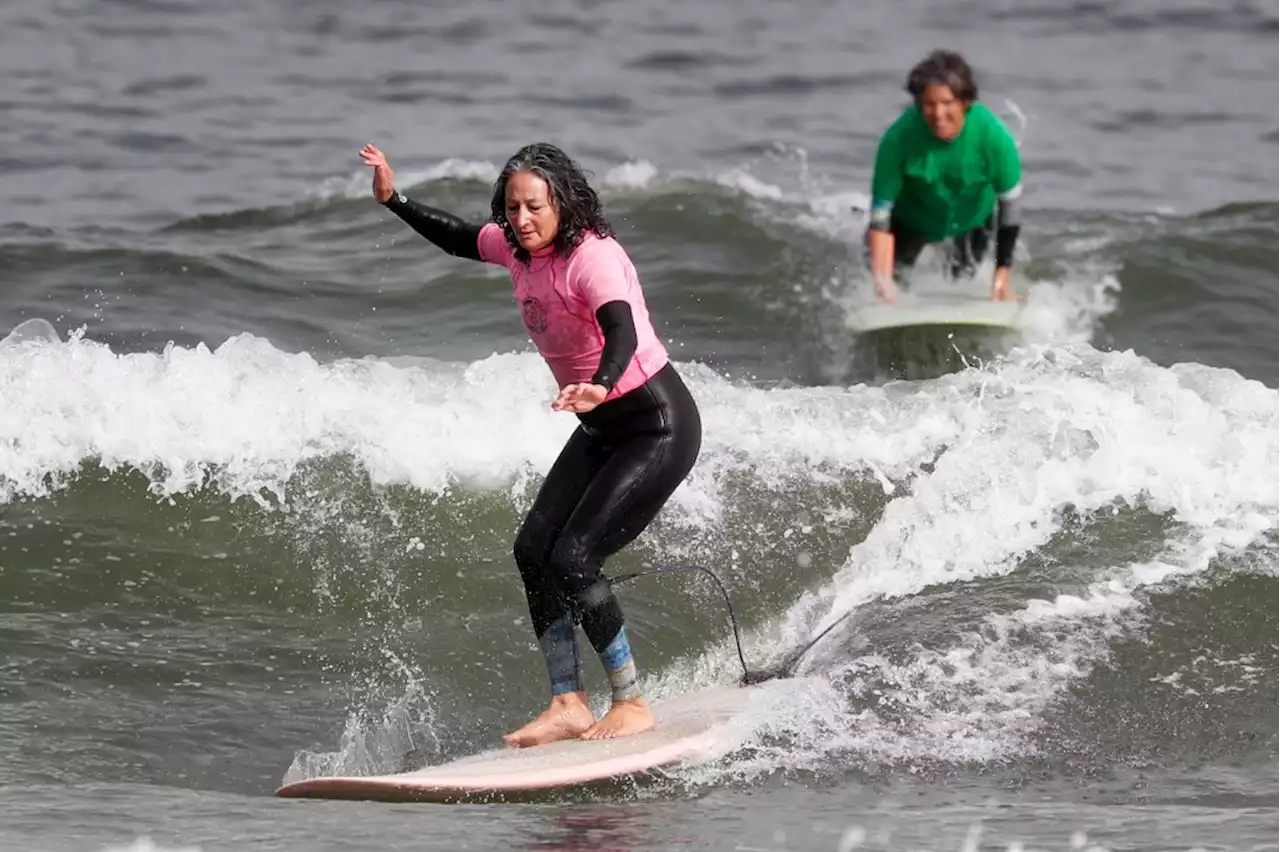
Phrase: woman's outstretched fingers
(383, 176)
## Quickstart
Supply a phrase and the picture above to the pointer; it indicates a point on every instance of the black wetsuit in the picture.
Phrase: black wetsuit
(616, 472)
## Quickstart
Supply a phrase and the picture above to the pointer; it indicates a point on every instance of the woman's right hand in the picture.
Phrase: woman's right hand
(384, 178)
(880, 245)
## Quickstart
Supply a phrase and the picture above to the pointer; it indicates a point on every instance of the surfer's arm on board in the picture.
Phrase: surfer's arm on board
(1008, 226)
(1007, 183)
(886, 183)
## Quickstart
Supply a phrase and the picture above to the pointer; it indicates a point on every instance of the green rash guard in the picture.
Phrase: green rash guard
(941, 189)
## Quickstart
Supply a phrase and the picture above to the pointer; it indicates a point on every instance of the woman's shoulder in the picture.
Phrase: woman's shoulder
(904, 123)
(592, 246)
(493, 245)
(907, 132)
(992, 125)
(596, 255)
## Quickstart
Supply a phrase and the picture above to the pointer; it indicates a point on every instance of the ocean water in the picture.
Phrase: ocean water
(263, 450)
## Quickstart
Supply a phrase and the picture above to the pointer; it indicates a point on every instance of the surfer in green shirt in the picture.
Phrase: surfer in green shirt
(947, 169)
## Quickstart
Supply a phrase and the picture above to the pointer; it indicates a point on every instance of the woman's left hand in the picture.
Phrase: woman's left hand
(384, 178)
(1000, 289)
(579, 398)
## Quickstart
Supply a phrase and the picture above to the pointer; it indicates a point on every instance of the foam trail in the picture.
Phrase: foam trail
(1049, 430)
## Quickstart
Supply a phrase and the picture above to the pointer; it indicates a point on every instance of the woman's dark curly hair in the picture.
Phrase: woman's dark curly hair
(576, 202)
(944, 68)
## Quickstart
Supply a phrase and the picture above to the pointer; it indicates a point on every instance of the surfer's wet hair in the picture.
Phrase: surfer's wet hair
(576, 202)
(943, 68)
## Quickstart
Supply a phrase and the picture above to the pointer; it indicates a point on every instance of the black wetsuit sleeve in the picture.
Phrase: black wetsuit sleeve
(620, 343)
(1008, 225)
(456, 236)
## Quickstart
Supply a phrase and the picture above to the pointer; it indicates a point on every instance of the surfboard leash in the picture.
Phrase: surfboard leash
(784, 670)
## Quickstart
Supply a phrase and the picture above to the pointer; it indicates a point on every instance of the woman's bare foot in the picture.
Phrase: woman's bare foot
(567, 717)
(623, 719)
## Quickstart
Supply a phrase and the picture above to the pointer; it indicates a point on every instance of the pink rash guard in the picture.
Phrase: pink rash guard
(558, 299)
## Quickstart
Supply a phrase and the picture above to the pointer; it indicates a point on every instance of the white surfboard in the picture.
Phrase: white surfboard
(936, 309)
(690, 728)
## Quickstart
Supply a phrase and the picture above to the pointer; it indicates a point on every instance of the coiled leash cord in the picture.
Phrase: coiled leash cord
(784, 670)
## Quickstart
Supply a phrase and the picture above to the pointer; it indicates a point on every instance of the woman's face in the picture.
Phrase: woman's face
(531, 211)
(943, 111)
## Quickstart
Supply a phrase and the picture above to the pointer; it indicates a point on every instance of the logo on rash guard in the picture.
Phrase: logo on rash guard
(535, 317)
